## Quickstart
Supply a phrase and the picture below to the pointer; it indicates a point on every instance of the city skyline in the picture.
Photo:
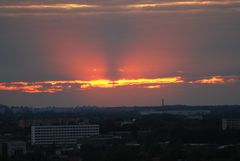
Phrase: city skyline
(119, 53)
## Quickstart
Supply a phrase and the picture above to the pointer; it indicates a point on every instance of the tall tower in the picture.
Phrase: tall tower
(163, 103)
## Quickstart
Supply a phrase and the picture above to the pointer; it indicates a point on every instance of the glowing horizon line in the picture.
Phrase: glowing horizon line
(216, 80)
(181, 3)
(60, 85)
(148, 83)
(48, 6)
(70, 6)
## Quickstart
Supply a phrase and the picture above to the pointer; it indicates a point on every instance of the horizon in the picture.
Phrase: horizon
(119, 53)
(132, 106)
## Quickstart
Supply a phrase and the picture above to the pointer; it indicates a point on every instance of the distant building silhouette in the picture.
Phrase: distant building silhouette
(231, 124)
(191, 114)
(24, 123)
(11, 148)
(62, 134)
(163, 103)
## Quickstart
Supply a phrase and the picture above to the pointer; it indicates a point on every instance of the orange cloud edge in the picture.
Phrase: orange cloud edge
(75, 85)
(122, 7)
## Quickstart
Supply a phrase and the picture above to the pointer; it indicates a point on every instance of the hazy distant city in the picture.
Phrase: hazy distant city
(161, 133)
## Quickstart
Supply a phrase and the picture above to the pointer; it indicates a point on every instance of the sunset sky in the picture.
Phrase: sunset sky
(119, 52)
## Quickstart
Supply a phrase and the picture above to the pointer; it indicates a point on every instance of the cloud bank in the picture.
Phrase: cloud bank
(58, 86)
(97, 7)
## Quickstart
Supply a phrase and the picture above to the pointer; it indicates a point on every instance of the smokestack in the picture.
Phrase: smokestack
(163, 104)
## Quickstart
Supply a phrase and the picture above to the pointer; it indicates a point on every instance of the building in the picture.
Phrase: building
(62, 134)
(102, 140)
(12, 148)
(16, 148)
(231, 124)
(177, 112)
(23, 123)
(190, 114)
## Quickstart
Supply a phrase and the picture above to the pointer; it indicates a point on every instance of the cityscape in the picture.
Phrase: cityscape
(186, 133)
(119, 80)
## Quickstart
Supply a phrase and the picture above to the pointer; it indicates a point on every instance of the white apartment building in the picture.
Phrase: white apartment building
(62, 134)
(231, 124)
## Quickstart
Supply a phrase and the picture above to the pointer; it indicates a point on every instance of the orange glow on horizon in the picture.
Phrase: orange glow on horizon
(180, 3)
(69, 6)
(57, 86)
(126, 82)
(76, 85)
(215, 80)
(48, 6)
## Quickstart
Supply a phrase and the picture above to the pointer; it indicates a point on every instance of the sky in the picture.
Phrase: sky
(119, 53)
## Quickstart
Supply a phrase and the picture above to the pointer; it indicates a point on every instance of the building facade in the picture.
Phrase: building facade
(190, 114)
(62, 134)
(233, 124)
(12, 148)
